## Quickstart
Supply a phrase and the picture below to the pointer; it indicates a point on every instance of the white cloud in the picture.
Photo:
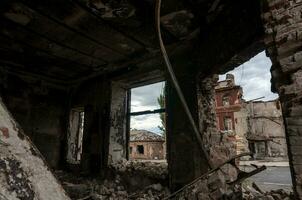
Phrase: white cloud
(145, 98)
(254, 77)
(146, 122)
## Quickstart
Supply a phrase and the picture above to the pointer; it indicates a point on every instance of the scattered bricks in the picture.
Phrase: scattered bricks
(217, 194)
(215, 181)
(203, 196)
(298, 56)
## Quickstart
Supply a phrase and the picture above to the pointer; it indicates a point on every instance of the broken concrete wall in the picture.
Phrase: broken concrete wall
(40, 110)
(220, 146)
(266, 127)
(282, 22)
(24, 173)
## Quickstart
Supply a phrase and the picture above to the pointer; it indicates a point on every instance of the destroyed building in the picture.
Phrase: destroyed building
(265, 130)
(252, 126)
(61, 55)
(146, 145)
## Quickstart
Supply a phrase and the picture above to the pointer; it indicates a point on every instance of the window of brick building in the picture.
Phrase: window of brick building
(140, 149)
(225, 100)
(146, 122)
(130, 150)
(228, 125)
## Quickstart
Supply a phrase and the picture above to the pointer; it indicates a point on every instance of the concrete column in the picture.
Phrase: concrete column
(185, 157)
(282, 23)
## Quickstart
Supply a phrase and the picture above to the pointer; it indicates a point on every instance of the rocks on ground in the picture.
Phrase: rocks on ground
(128, 180)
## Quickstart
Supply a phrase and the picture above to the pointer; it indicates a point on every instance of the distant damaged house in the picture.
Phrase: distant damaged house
(265, 129)
(146, 145)
(251, 126)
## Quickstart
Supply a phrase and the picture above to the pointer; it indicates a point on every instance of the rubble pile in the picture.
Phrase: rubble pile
(155, 170)
(255, 193)
(128, 180)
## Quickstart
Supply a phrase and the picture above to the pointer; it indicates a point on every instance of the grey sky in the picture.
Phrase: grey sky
(145, 98)
(254, 77)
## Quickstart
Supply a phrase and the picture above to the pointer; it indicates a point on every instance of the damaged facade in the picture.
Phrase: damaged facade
(146, 145)
(58, 56)
(252, 126)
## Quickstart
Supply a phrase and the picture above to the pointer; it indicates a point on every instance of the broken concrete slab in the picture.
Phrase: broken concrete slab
(24, 174)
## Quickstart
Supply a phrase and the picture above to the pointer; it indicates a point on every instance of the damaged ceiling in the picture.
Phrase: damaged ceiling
(68, 40)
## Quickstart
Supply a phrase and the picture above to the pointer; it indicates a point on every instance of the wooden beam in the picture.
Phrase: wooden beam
(36, 41)
(31, 59)
(82, 22)
(59, 33)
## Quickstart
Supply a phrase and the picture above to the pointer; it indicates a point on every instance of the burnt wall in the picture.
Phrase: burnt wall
(94, 97)
(40, 110)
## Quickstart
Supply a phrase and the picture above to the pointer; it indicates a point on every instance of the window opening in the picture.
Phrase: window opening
(146, 117)
(140, 149)
(75, 135)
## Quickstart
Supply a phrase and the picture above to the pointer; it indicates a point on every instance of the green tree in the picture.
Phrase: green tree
(162, 104)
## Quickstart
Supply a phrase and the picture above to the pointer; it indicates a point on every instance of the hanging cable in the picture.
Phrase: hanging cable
(175, 82)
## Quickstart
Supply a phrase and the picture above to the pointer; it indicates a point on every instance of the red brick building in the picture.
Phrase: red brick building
(228, 101)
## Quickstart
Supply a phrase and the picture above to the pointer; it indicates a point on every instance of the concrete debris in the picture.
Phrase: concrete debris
(128, 180)
(253, 193)
(157, 170)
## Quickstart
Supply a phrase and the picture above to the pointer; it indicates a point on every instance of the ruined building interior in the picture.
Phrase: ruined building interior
(66, 67)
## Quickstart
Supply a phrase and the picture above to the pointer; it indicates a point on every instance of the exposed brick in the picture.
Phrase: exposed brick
(295, 121)
(297, 159)
(296, 111)
(296, 150)
(294, 130)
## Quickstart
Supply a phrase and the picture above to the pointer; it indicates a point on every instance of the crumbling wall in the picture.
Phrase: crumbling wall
(266, 127)
(282, 23)
(241, 129)
(24, 173)
(40, 110)
(219, 146)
